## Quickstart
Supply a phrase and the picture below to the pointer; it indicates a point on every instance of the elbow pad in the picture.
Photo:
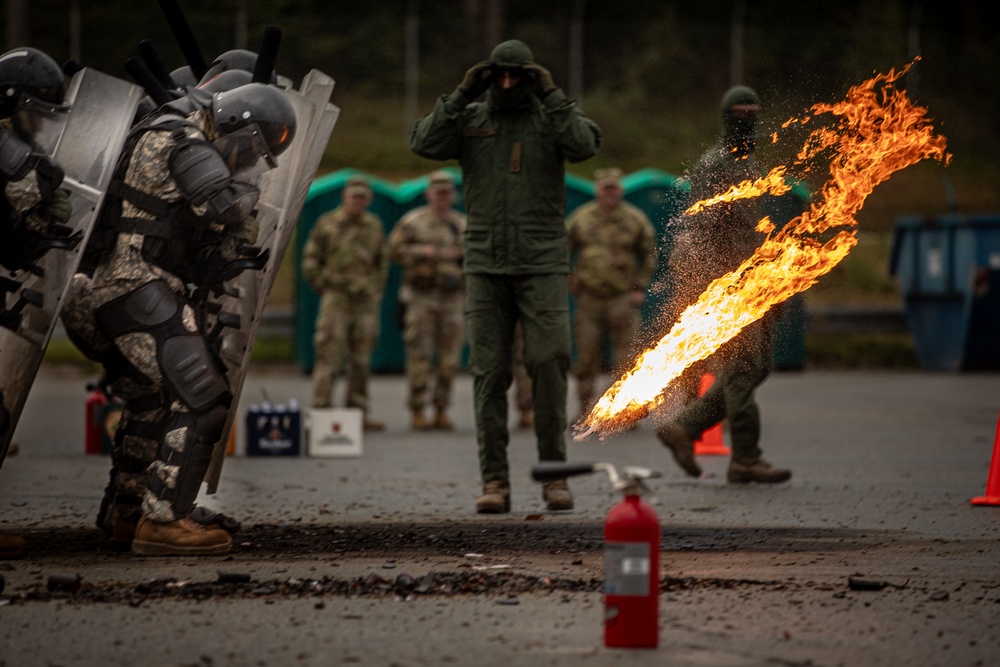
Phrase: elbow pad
(14, 157)
(204, 178)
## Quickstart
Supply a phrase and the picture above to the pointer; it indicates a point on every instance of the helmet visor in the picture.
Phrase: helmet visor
(245, 152)
(40, 121)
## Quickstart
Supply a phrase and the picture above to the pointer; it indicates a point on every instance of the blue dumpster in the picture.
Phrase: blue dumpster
(948, 271)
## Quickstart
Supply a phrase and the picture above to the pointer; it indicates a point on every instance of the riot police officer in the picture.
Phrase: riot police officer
(178, 223)
(34, 209)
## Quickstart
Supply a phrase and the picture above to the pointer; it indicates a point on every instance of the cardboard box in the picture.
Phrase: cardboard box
(273, 432)
(334, 432)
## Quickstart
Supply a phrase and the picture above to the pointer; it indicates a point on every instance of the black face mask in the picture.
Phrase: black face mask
(515, 98)
(739, 134)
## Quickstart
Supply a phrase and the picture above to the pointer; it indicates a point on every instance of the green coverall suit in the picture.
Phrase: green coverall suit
(512, 148)
(719, 240)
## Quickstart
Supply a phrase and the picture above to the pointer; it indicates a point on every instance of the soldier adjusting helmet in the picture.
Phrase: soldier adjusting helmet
(256, 121)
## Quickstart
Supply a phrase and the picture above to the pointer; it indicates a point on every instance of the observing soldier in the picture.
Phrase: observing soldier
(178, 222)
(615, 252)
(513, 147)
(720, 239)
(427, 242)
(34, 209)
(344, 261)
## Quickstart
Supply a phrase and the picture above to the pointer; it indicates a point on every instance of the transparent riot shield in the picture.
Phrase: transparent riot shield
(283, 193)
(86, 147)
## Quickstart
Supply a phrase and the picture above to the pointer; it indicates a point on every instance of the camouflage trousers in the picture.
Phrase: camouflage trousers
(154, 453)
(346, 334)
(434, 332)
(595, 318)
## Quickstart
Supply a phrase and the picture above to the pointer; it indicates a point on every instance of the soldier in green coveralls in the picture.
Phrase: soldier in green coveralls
(513, 147)
(714, 242)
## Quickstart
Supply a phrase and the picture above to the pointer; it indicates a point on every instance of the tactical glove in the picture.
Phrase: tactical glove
(58, 208)
(48, 174)
(247, 230)
(541, 79)
(477, 79)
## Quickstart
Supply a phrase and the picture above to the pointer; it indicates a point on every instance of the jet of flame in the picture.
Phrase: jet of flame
(877, 132)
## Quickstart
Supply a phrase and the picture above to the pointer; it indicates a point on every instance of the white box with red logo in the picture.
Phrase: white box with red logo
(334, 432)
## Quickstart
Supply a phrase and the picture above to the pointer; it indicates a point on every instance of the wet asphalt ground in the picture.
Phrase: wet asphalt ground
(381, 560)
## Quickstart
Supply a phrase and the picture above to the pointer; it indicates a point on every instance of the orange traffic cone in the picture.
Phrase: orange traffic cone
(992, 496)
(710, 443)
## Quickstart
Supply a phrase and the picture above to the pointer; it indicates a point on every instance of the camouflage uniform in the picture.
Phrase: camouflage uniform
(433, 294)
(344, 262)
(616, 256)
(155, 419)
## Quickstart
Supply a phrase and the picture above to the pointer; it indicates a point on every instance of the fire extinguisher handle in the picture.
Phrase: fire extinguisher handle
(549, 470)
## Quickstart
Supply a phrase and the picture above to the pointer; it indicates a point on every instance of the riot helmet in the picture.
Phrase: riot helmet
(28, 72)
(236, 59)
(256, 121)
(511, 56)
(228, 80)
(32, 89)
(183, 77)
(740, 106)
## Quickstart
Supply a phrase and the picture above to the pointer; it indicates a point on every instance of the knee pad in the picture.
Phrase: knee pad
(190, 369)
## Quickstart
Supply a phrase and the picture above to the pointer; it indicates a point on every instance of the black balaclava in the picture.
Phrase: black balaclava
(740, 106)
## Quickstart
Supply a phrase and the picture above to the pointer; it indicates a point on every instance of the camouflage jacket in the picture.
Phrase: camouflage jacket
(616, 252)
(188, 246)
(347, 255)
(429, 248)
(513, 176)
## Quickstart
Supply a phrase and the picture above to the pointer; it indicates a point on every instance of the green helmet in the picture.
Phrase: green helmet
(512, 53)
(738, 95)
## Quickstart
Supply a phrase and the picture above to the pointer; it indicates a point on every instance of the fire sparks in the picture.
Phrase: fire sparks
(876, 131)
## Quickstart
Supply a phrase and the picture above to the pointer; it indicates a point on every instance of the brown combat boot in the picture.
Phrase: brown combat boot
(527, 419)
(495, 498)
(557, 495)
(418, 422)
(11, 545)
(744, 471)
(442, 422)
(183, 537)
(681, 446)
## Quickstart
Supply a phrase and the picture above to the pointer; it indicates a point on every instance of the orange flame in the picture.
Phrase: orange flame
(878, 131)
(774, 183)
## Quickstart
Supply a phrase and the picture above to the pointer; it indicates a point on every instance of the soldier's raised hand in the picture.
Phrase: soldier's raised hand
(477, 79)
(541, 79)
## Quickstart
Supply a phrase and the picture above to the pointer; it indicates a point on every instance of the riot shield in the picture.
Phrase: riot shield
(283, 193)
(86, 147)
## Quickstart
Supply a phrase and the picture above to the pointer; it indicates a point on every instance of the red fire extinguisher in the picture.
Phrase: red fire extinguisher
(631, 555)
(93, 431)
